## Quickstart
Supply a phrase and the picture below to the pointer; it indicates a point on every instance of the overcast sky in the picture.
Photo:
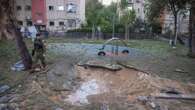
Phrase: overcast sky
(107, 2)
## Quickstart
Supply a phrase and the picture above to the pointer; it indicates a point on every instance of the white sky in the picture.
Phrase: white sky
(107, 2)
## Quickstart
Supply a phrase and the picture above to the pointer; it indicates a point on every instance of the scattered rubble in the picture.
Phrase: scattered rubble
(131, 85)
(91, 87)
(61, 76)
(96, 84)
(4, 88)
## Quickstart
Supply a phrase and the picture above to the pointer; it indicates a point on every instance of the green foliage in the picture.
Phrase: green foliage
(84, 29)
(124, 4)
(102, 16)
(156, 27)
(93, 9)
(7, 49)
(155, 7)
(128, 17)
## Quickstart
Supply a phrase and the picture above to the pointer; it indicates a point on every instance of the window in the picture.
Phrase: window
(51, 23)
(137, 1)
(51, 8)
(72, 23)
(18, 8)
(71, 8)
(29, 23)
(28, 8)
(20, 23)
(61, 23)
(60, 8)
(39, 14)
(138, 10)
(129, 1)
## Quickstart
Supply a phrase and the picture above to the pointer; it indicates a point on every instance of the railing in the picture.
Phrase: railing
(84, 35)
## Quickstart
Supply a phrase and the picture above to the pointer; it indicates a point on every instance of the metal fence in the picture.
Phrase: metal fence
(85, 35)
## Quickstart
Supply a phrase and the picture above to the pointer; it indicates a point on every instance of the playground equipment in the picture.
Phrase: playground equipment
(116, 45)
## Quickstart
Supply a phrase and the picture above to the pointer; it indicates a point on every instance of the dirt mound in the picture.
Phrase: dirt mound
(71, 87)
(126, 85)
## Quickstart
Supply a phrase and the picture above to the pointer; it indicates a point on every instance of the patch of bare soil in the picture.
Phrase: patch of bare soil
(67, 86)
(131, 87)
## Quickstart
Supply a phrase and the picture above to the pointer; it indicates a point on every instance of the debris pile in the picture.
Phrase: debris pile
(98, 85)
(130, 86)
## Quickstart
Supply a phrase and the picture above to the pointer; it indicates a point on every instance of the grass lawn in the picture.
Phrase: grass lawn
(165, 60)
(161, 49)
(8, 56)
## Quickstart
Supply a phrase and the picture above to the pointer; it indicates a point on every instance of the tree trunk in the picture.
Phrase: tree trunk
(93, 32)
(7, 12)
(126, 32)
(23, 51)
(193, 30)
(190, 32)
(175, 28)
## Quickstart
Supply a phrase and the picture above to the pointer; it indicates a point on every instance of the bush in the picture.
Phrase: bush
(81, 30)
(106, 29)
(156, 27)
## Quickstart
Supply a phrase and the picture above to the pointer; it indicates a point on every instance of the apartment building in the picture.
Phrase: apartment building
(167, 22)
(23, 12)
(138, 6)
(51, 15)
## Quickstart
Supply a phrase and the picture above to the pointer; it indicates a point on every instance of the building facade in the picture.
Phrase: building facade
(51, 15)
(138, 6)
(167, 22)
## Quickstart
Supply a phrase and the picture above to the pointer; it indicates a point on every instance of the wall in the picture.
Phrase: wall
(39, 12)
(57, 16)
(138, 6)
(168, 24)
(22, 15)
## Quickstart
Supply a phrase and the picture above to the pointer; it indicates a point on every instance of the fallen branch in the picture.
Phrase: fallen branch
(173, 96)
(132, 67)
(106, 66)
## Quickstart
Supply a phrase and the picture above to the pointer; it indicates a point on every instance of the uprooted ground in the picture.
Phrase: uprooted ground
(65, 85)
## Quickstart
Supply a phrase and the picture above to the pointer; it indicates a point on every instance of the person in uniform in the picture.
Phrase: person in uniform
(38, 51)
